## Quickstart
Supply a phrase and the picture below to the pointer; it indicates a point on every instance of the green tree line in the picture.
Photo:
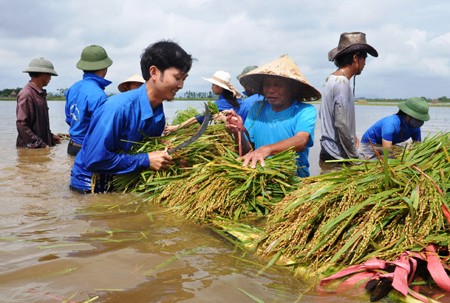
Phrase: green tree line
(8, 93)
(12, 92)
(198, 95)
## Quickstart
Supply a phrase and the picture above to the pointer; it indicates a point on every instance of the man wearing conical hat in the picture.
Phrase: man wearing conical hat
(337, 109)
(131, 83)
(282, 120)
(32, 119)
(397, 128)
(86, 95)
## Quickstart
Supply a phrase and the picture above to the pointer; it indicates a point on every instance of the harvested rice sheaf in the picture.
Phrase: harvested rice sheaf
(215, 141)
(208, 180)
(377, 209)
(222, 187)
(392, 212)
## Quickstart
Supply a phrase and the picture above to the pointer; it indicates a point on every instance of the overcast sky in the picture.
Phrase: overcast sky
(412, 38)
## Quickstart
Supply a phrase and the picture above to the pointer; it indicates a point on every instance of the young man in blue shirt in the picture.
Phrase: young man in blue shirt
(282, 120)
(396, 128)
(129, 116)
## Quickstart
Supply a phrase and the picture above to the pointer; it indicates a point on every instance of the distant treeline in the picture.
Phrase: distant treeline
(442, 99)
(11, 94)
(198, 95)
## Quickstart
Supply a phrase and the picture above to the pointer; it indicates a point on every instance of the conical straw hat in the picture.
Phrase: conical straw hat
(134, 78)
(282, 67)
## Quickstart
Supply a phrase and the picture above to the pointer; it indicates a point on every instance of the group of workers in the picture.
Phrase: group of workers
(270, 116)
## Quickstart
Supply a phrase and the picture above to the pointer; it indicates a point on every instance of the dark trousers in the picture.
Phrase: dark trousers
(103, 183)
(324, 156)
(73, 148)
(327, 167)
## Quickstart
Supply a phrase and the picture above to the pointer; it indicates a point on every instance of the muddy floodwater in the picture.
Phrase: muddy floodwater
(60, 246)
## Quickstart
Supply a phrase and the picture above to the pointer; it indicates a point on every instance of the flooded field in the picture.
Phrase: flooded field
(59, 246)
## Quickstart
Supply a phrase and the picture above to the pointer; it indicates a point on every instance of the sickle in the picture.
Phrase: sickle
(196, 135)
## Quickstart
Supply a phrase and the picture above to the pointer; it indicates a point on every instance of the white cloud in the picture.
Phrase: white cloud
(411, 37)
(437, 66)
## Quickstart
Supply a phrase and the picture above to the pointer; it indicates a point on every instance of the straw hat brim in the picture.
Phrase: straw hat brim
(224, 86)
(283, 67)
(134, 78)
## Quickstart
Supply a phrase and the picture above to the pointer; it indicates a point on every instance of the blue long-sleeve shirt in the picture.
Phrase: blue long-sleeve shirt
(123, 119)
(82, 99)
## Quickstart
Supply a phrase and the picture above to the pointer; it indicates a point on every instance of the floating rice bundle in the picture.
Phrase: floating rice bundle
(377, 210)
(222, 187)
(382, 223)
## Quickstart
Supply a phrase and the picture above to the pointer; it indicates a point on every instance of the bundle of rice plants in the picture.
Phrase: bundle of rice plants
(393, 212)
(215, 141)
(223, 187)
(378, 209)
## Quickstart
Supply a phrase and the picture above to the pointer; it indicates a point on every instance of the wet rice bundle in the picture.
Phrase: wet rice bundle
(215, 141)
(379, 210)
(222, 187)
(212, 142)
(207, 179)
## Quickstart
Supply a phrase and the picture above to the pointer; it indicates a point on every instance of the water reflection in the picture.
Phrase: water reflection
(177, 260)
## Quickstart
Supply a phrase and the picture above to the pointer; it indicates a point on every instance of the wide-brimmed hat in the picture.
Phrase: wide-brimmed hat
(94, 57)
(134, 78)
(415, 107)
(283, 67)
(246, 70)
(222, 79)
(41, 65)
(351, 42)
